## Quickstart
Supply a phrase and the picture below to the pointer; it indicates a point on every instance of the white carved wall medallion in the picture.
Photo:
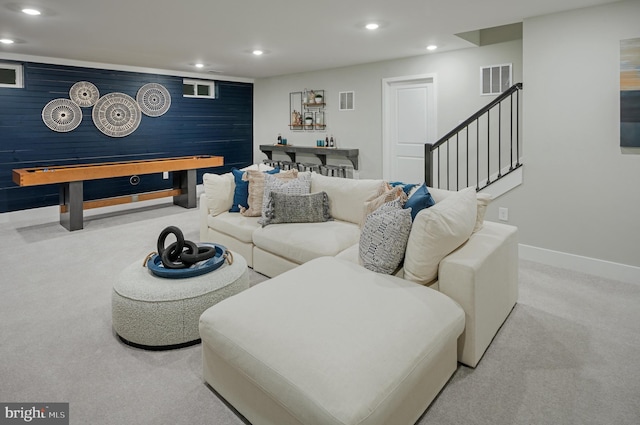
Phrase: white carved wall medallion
(84, 93)
(116, 114)
(61, 115)
(154, 99)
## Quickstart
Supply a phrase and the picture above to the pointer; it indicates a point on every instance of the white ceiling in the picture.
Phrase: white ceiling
(297, 35)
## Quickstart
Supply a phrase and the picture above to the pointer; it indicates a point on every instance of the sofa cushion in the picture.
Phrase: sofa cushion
(347, 196)
(234, 224)
(332, 343)
(285, 208)
(384, 237)
(419, 200)
(436, 232)
(301, 242)
(351, 254)
(218, 191)
(241, 190)
(256, 186)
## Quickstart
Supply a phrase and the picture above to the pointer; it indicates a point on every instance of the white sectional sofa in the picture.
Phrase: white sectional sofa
(475, 264)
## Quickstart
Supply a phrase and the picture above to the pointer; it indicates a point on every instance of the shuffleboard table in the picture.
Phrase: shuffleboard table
(71, 178)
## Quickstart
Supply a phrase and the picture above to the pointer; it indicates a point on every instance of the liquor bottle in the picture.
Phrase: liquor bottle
(332, 144)
(326, 141)
(279, 139)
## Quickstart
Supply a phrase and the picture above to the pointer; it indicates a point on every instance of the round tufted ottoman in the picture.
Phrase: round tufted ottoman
(159, 313)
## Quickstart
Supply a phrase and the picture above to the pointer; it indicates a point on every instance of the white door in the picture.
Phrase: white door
(408, 123)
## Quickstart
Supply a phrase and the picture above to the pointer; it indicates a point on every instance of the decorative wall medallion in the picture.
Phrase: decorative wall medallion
(62, 115)
(84, 93)
(154, 99)
(116, 114)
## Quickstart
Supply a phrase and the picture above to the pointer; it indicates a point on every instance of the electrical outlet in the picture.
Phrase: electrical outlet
(165, 175)
(503, 214)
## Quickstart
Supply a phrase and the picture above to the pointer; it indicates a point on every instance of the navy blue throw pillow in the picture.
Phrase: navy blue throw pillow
(241, 193)
(420, 200)
(406, 187)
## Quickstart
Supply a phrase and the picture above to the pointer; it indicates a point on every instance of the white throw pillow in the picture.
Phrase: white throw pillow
(218, 190)
(436, 232)
(440, 194)
(484, 199)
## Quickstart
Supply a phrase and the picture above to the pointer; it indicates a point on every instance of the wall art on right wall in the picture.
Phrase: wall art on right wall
(630, 93)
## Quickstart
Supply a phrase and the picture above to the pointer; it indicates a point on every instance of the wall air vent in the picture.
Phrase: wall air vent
(346, 101)
(495, 79)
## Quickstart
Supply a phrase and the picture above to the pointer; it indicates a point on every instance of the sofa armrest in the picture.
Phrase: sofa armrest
(482, 276)
(202, 217)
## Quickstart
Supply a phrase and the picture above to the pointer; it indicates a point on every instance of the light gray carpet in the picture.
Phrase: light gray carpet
(568, 354)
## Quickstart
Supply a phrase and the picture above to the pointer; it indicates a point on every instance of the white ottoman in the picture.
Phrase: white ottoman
(151, 311)
(330, 342)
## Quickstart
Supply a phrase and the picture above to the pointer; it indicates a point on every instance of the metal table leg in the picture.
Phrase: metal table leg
(185, 180)
(71, 208)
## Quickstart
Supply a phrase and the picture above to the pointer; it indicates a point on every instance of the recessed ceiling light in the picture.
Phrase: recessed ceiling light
(372, 26)
(199, 65)
(6, 41)
(257, 52)
(32, 12)
(432, 47)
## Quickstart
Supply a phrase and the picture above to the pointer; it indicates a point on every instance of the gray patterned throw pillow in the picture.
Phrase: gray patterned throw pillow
(284, 208)
(299, 186)
(384, 237)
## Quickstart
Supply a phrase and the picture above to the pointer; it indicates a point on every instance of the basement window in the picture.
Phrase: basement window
(199, 88)
(495, 79)
(11, 75)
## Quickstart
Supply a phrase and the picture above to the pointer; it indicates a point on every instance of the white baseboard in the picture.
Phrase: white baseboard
(594, 266)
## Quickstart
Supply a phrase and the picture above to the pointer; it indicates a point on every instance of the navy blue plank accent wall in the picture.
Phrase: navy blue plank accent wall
(192, 126)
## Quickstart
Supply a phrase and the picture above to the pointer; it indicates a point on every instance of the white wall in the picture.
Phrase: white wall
(579, 205)
(581, 194)
(458, 97)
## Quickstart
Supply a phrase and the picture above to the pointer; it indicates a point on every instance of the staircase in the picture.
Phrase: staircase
(483, 151)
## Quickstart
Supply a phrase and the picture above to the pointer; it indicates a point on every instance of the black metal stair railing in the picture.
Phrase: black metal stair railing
(485, 158)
